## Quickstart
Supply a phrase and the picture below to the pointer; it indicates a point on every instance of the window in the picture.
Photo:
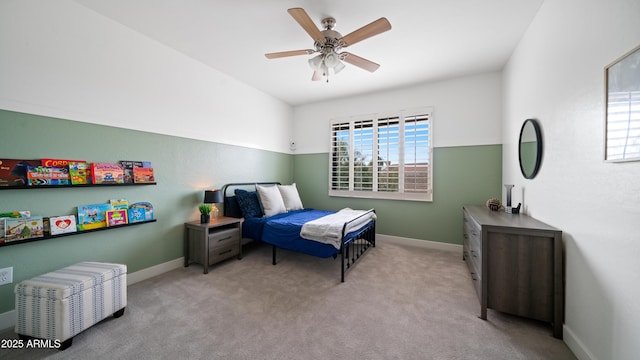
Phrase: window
(382, 156)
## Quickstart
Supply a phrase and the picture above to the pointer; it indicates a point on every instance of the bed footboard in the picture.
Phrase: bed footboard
(355, 244)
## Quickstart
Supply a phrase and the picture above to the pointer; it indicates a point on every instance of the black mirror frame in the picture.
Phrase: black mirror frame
(536, 167)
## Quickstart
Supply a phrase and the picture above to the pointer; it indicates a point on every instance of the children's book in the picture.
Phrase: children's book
(47, 175)
(61, 224)
(141, 211)
(58, 162)
(136, 214)
(127, 167)
(107, 173)
(92, 216)
(23, 228)
(79, 172)
(13, 172)
(16, 214)
(116, 217)
(119, 203)
(143, 175)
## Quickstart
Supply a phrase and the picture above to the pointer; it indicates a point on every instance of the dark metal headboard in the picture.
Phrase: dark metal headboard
(231, 207)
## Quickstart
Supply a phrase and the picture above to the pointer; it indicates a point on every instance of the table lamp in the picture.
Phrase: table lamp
(213, 197)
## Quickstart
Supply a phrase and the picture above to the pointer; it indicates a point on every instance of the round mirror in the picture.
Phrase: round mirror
(530, 148)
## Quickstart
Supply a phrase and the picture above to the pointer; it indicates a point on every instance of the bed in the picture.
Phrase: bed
(323, 238)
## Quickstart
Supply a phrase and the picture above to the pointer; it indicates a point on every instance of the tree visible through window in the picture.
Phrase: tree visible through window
(382, 156)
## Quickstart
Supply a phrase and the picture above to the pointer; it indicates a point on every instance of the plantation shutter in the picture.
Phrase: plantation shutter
(417, 164)
(340, 158)
(389, 150)
(363, 155)
(386, 156)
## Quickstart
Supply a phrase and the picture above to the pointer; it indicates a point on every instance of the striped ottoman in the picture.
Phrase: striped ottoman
(60, 304)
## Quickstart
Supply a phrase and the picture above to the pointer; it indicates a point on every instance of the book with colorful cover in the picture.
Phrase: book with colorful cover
(56, 225)
(140, 211)
(11, 214)
(92, 216)
(13, 172)
(47, 175)
(136, 214)
(79, 172)
(119, 203)
(58, 162)
(16, 214)
(107, 173)
(143, 175)
(116, 217)
(23, 228)
(127, 167)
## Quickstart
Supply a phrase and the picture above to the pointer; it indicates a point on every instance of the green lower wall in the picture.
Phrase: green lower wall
(461, 175)
(183, 168)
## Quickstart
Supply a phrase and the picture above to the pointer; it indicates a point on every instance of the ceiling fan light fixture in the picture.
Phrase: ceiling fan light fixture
(316, 62)
(338, 67)
(331, 59)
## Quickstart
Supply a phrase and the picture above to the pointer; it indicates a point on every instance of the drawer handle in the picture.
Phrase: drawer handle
(226, 251)
(227, 238)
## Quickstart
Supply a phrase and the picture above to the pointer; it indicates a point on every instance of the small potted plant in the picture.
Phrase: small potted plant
(205, 213)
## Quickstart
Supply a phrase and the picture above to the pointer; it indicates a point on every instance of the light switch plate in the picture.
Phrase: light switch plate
(6, 276)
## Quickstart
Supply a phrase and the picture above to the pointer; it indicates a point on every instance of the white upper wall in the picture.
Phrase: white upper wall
(63, 60)
(557, 76)
(466, 111)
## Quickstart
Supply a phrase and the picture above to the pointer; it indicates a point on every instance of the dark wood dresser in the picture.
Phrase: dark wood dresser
(516, 264)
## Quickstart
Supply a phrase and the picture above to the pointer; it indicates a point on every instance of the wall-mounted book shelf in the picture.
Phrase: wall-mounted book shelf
(27, 187)
(48, 237)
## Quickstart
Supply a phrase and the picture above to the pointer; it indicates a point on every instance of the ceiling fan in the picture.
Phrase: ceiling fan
(329, 42)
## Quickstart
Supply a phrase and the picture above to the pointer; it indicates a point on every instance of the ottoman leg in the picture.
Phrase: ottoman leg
(66, 344)
(118, 313)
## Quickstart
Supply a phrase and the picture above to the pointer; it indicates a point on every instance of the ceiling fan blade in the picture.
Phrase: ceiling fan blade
(316, 76)
(360, 62)
(276, 55)
(307, 24)
(379, 26)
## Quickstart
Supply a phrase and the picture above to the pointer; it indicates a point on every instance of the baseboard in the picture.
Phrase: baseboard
(419, 243)
(578, 348)
(8, 319)
(155, 270)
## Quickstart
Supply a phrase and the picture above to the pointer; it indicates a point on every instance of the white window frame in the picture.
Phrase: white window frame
(401, 194)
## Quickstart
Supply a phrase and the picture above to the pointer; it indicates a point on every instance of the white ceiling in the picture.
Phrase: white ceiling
(429, 39)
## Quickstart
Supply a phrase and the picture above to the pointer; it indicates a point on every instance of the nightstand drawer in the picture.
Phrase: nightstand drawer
(223, 237)
(223, 252)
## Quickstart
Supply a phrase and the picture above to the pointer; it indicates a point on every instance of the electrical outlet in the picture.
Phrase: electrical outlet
(6, 276)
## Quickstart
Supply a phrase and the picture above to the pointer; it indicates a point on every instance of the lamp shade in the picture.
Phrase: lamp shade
(315, 62)
(213, 196)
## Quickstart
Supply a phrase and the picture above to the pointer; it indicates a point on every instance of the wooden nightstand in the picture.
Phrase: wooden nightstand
(210, 243)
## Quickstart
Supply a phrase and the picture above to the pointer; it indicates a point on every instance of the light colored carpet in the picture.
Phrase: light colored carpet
(397, 303)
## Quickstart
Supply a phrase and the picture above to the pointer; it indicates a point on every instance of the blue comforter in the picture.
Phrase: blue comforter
(283, 231)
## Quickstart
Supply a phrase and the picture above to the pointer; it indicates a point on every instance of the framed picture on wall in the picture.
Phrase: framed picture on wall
(622, 104)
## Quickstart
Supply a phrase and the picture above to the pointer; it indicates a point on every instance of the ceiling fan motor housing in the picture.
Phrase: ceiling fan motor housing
(331, 42)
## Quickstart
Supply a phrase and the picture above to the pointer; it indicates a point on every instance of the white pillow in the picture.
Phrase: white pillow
(271, 200)
(290, 197)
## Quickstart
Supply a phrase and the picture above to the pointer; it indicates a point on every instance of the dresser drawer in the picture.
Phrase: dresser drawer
(223, 252)
(224, 238)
